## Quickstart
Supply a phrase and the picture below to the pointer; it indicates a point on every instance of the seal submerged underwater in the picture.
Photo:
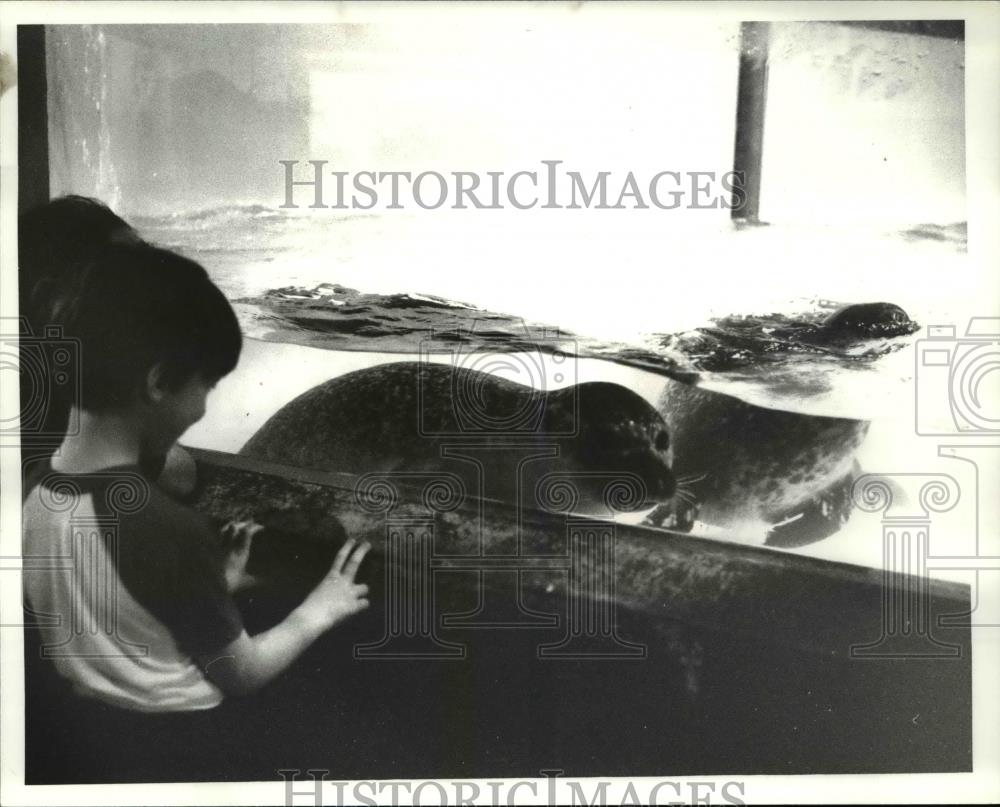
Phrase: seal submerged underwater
(413, 416)
(755, 466)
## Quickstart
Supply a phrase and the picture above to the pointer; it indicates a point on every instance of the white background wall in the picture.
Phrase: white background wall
(863, 127)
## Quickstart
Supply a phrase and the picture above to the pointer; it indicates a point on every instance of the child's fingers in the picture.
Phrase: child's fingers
(354, 561)
(228, 533)
(360, 605)
(245, 531)
(341, 559)
(361, 590)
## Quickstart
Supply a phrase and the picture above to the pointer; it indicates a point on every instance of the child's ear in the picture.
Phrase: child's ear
(155, 388)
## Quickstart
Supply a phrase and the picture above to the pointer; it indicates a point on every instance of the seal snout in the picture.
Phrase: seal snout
(657, 475)
(666, 486)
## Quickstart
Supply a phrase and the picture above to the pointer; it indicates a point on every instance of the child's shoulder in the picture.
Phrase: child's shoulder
(124, 496)
(161, 513)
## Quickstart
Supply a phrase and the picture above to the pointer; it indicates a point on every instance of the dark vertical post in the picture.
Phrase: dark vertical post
(32, 188)
(33, 119)
(751, 101)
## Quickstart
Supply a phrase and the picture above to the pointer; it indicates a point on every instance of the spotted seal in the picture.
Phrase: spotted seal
(750, 467)
(415, 416)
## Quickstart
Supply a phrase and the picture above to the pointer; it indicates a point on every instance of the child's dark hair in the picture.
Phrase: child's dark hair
(55, 237)
(137, 306)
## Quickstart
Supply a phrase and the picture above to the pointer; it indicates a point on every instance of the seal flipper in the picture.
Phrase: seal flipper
(677, 515)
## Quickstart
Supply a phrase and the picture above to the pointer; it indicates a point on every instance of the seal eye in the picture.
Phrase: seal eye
(662, 441)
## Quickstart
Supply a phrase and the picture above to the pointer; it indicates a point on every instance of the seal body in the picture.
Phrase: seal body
(504, 440)
(751, 466)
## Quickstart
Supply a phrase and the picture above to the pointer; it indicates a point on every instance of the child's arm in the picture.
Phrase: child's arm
(247, 663)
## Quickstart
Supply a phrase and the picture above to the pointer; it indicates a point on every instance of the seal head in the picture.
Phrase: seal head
(866, 321)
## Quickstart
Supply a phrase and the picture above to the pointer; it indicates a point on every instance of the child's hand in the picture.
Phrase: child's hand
(337, 597)
(236, 538)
